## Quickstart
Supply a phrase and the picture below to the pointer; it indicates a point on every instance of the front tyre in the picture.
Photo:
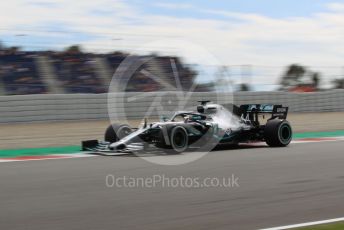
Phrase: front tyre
(115, 132)
(179, 139)
(278, 133)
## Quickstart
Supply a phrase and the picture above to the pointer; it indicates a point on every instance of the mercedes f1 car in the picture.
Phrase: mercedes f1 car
(210, 125)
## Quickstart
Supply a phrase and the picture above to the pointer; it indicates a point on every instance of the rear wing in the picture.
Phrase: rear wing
(253, 110)
(276, 111)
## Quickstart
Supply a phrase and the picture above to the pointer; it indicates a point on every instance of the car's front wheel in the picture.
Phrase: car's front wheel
(179, 139)
(115, 132)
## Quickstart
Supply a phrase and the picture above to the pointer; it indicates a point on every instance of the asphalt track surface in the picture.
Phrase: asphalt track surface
(278, 186)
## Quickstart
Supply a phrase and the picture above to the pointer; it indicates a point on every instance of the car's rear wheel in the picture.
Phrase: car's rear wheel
(115, 132)
(278, 133)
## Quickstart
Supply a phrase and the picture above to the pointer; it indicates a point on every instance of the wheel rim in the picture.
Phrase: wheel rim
(123, 132)
(285, 133)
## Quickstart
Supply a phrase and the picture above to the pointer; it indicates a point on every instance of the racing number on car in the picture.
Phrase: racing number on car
(245, 119)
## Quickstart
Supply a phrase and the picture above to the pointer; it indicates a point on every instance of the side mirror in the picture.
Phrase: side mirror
(145, 124)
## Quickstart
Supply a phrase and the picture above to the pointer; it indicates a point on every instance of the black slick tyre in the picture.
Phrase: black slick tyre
(179, 139)
(278, 133)
(115, 132)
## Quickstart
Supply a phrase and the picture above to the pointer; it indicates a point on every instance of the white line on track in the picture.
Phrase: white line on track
(320, 139)
(47, 157)
(306, 224)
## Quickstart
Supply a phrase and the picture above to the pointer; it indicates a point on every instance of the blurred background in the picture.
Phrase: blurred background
(57, 59)
(49, 46)
(73, 70)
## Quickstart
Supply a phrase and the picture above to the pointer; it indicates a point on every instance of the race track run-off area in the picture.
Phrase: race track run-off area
(49, 153)
(276, 187)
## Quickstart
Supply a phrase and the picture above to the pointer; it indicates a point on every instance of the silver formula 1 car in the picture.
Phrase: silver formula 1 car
(208, 126)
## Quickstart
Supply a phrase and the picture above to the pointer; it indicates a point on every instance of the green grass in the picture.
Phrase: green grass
(334, 226)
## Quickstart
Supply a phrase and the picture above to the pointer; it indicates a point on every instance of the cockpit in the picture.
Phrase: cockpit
(188, 117)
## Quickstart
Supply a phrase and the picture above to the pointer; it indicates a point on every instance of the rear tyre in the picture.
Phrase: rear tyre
(278, 133)
(115, 132)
